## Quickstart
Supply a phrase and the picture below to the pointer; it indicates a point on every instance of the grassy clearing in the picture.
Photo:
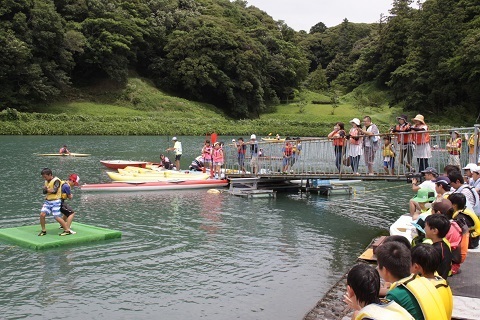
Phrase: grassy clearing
(139, 108)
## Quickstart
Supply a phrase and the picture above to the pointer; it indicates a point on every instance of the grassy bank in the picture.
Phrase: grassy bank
(140, 109)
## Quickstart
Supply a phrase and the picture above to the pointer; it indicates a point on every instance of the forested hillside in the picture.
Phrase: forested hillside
(237, 57)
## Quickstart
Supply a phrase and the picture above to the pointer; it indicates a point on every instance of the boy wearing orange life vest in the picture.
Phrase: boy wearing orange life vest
(287, 155)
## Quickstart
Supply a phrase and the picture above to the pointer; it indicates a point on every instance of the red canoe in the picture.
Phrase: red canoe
(121, 164)
(149, 186)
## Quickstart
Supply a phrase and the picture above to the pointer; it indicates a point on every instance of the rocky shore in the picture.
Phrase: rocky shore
(331, 306)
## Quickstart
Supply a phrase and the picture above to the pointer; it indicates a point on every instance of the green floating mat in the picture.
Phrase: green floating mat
(27, 236)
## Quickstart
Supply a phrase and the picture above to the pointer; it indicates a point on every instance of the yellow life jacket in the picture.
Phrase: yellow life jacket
(445, 292)
(390, 310)
(387, 151)
(426, 294)
(49, 185)
(475, 229)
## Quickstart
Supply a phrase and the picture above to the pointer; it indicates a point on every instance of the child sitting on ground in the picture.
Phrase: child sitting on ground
(436, 228)
(425, 261)
(363, 284)
(388, 153)
(418, 204)
(416, 294)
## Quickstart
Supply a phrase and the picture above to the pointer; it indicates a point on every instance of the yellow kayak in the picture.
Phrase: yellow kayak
(158, 177)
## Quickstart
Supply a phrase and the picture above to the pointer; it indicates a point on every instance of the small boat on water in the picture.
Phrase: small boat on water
(72, 154)
(158, 177)
(273, 139)
(152, 186)
(121, 164)
(404, 227)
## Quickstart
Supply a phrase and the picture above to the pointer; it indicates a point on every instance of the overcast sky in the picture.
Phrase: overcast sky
(303, 14)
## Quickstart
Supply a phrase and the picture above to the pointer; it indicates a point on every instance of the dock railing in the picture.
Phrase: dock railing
(316, 156)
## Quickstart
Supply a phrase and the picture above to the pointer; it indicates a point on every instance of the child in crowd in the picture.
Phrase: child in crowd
(425, 261)
(394, 263)
(363, 284)
(388, 153)
(418, 203)
(454, 147)
(217, 158)
(436, 228)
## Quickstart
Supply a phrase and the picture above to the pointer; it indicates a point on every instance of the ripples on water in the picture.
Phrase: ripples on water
(182, 254)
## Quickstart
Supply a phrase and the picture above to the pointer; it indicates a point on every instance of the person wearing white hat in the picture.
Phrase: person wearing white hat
(454, 147)
(422, 141)
(476, 178)
(254, 153)
(177, 148)
(355, 148)
(468, 173)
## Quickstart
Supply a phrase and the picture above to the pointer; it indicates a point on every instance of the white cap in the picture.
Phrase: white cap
(253, 137)
(174, 138)
(476, 169)
(470, 166)
(356, 121)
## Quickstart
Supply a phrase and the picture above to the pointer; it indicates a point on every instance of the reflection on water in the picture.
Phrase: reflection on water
(183, 254)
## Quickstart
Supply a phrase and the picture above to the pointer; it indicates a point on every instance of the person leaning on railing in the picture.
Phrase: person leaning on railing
(405, 141)
(338, 136)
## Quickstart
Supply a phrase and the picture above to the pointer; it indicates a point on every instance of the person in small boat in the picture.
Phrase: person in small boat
(416, 294)
(207, 155)
(436, 228)
(430, 174)
(424, 196)
(363, 285)
(64, 150)
(463, 215)
(338, 136)
(425, 261)
(177, 148)
(65, 209)
(197, 164)
(442, 188)
(165, 162)
(473, 199)
(51, 206)
(218, 159)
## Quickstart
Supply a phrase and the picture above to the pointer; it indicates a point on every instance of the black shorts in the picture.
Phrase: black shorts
(66, 209)
(177, 157)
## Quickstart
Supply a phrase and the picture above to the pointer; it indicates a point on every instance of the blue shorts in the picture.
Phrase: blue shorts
(390, 163)
(241, 159)
(52, 207)
(286, 161)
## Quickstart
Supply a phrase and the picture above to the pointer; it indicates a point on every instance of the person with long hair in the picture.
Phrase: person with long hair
(338, 136)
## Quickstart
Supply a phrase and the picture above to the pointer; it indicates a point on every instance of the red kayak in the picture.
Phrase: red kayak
(121, 164)
(149, 186)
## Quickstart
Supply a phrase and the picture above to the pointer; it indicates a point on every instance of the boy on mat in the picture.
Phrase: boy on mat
(51, 205)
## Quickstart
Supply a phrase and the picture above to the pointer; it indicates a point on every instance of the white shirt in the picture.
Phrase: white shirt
(178, 148)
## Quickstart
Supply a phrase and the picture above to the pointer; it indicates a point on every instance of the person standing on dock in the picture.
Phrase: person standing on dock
(370, 143)
(422, 142)
(355, 149)
(254, 154)
(177, 148)
(287, 151)
(454, 148)
(241, 150)
(338, 136)
(207, 151)
(405, 141)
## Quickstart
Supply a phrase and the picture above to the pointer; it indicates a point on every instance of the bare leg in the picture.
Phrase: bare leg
(61, 221)
(42, 220)
(69, 220)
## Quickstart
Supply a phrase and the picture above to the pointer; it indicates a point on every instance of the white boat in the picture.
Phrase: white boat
(152, 186)
(404, 227)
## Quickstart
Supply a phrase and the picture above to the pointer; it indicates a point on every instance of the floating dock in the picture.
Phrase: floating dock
(27, 236)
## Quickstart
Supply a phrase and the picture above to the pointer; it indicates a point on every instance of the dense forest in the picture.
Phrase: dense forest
(236, 56)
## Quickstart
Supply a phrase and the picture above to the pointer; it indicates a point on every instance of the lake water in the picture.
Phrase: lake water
(183, 254)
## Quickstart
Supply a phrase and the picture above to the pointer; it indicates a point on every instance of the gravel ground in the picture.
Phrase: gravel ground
(331, 306)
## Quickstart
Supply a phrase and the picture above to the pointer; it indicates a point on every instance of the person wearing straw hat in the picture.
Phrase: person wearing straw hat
(422, 141)
(355, 149)
(454, 147)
